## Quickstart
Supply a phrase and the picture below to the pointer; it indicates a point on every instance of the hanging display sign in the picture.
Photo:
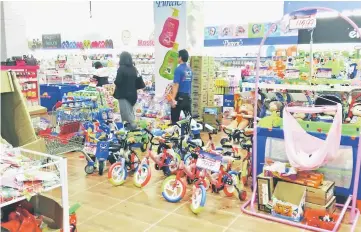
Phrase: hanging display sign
(303, 19)
(51, 41)
(247, 35)
(170, 36)
(332, 30)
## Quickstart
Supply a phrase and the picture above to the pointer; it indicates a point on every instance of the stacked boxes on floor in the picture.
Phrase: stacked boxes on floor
(273, 189)
(211, 79)
(200, 86)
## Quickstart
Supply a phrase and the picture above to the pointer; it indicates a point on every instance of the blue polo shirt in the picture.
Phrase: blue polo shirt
(183, 76)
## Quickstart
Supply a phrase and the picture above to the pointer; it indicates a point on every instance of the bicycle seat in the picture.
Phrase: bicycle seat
(246, 146)
(115, 147)
(227, 146)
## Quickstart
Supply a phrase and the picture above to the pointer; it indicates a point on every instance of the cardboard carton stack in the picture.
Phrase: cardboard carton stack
(211, 79)
(274, 194)
(200, 68)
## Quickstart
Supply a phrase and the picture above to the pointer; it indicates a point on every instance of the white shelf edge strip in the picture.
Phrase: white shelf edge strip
(335, 88)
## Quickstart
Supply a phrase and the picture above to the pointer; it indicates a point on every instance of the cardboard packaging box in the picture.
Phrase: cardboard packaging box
(289, 201)
(330, 207)
(265, 188)
(321, 195)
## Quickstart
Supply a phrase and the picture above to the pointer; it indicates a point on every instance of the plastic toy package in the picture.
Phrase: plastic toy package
(18, 176)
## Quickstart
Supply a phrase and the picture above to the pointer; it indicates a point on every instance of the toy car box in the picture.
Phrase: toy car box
(288, 201)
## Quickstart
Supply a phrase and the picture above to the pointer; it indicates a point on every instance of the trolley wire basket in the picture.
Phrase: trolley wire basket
(58, 145)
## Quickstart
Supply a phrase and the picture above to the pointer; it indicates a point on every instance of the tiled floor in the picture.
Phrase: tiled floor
(127, 208)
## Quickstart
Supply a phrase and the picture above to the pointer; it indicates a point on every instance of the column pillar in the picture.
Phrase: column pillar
(13, 31)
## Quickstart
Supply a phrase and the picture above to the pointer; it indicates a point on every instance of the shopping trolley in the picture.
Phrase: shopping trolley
(62, 133)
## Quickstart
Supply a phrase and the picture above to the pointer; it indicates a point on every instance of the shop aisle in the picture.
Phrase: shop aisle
(105, 208)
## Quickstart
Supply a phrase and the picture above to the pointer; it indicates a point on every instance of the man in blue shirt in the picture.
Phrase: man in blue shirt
(182, 85)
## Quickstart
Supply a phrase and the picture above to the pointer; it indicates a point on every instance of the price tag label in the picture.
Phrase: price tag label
(324, 73)
(209, 161)
(90, 150)
(292, 74)
(303, 20)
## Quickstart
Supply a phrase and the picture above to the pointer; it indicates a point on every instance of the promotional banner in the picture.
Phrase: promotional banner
(247, 35)
(195, 25)
(170, 35)
(290, 6)
(332, 30)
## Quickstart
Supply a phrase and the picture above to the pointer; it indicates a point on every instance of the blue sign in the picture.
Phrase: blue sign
(228, 100)
(250, 41)
(290, 6)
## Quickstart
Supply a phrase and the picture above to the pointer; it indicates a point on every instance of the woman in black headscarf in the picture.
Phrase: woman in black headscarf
(127, 82)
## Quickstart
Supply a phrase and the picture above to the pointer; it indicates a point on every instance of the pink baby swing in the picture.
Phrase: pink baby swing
(311, 157)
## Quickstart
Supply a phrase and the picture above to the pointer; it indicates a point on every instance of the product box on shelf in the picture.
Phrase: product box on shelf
(218, 100)
(288, 201)
(330, 207)
(265, 188)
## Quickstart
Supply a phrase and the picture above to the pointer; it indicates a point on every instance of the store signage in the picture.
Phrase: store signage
(290, 6)
(305, 19)
(228, 43)
(168, 3)
(228, 100)
(247, 35)
(145, 43)
(209, 161)
(51, 41)
(353, 34)
(332, 30)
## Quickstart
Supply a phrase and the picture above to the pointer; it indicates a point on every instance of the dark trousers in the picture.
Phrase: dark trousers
(183, 103)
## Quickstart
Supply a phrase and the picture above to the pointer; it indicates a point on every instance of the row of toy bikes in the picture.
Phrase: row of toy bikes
(179, 153)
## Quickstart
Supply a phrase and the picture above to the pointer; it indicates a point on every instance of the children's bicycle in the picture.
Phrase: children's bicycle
(128, 162)
(174, 188)
(167, 159)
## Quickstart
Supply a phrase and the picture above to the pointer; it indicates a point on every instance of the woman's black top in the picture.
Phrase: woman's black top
(125, 84)
(101, 80)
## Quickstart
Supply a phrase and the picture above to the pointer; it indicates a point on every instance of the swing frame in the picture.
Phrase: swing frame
(249, 206)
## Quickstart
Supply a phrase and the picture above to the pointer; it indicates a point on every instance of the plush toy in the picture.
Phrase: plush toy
(273, 118)
(354, 116)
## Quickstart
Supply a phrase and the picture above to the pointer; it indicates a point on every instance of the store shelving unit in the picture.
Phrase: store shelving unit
(29, 81)
(352, 192)
(38, 173)
(320, 88)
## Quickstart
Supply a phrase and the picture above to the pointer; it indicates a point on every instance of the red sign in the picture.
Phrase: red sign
(145, 43)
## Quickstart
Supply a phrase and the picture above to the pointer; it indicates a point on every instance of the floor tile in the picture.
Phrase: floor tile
(183, 223)
(118, 192)
(209, 214)
(116, 223)
(155, 201)
(140, 212)
(94, 200)
(161, 229)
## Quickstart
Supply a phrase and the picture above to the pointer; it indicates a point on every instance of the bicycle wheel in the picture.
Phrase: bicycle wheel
(173, 190)
(142, 176)
(187, 159)
(230, 190)
(171, 164)
(117, 174)
(101, 167)
(198, 199)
